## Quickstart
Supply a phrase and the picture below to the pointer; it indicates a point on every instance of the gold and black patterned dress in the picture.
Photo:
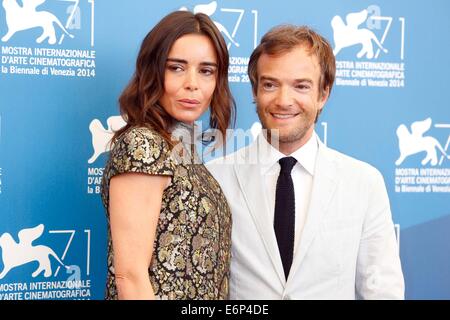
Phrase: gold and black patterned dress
(191, 256)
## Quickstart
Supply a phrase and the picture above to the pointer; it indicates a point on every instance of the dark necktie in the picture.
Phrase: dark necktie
(284, 222)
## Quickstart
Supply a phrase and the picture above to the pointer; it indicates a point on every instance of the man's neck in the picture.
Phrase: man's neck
(288, 148)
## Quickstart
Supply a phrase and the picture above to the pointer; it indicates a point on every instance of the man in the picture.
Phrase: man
(308, 221)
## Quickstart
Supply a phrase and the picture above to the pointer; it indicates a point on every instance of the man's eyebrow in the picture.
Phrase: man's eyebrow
(268, 78)
(304, 80)
(295, 80)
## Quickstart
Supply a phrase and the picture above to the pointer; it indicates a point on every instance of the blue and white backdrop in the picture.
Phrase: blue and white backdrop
(64, 63)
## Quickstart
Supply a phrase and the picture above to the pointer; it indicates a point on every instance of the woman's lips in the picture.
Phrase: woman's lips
(189, 103)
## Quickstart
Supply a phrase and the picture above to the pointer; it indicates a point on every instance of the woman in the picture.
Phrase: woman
(169, 223)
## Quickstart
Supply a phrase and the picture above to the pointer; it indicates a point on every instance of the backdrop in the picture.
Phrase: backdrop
(65, 62)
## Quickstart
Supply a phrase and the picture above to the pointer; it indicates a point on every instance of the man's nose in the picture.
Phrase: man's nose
(284, 97)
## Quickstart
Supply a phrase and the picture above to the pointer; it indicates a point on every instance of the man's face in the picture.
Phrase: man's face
(287, 96)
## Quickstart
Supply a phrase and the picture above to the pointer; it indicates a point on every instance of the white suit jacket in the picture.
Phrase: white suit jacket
(348, 248)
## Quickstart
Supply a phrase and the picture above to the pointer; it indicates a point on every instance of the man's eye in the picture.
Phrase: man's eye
(268, 85)
(303, 86)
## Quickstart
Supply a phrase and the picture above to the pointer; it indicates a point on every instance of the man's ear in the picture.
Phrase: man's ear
(323, 98)
(254, 96)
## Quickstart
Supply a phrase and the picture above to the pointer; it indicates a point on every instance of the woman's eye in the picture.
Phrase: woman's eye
(175, 67)
(207, 71)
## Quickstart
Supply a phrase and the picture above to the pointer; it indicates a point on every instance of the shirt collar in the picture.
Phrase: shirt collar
(305, 156)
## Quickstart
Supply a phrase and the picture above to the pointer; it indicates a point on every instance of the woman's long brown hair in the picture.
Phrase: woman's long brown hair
(139, 101)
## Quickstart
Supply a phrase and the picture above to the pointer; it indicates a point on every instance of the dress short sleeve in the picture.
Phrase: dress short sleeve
(142, 150)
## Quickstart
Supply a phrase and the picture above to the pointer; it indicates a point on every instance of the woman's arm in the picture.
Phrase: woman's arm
(134, 207)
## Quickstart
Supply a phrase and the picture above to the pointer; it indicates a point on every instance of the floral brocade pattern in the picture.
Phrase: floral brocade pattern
(191, 255)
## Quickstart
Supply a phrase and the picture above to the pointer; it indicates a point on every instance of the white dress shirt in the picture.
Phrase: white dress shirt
(302, 177)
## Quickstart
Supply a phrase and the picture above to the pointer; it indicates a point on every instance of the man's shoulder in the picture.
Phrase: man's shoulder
(229, 159)
(351, 166)
(222, 168)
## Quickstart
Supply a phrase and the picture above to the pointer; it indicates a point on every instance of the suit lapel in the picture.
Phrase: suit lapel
(323, 190)
(251, 183)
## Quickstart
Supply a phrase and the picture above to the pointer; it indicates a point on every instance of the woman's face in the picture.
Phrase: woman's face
(190, 77)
